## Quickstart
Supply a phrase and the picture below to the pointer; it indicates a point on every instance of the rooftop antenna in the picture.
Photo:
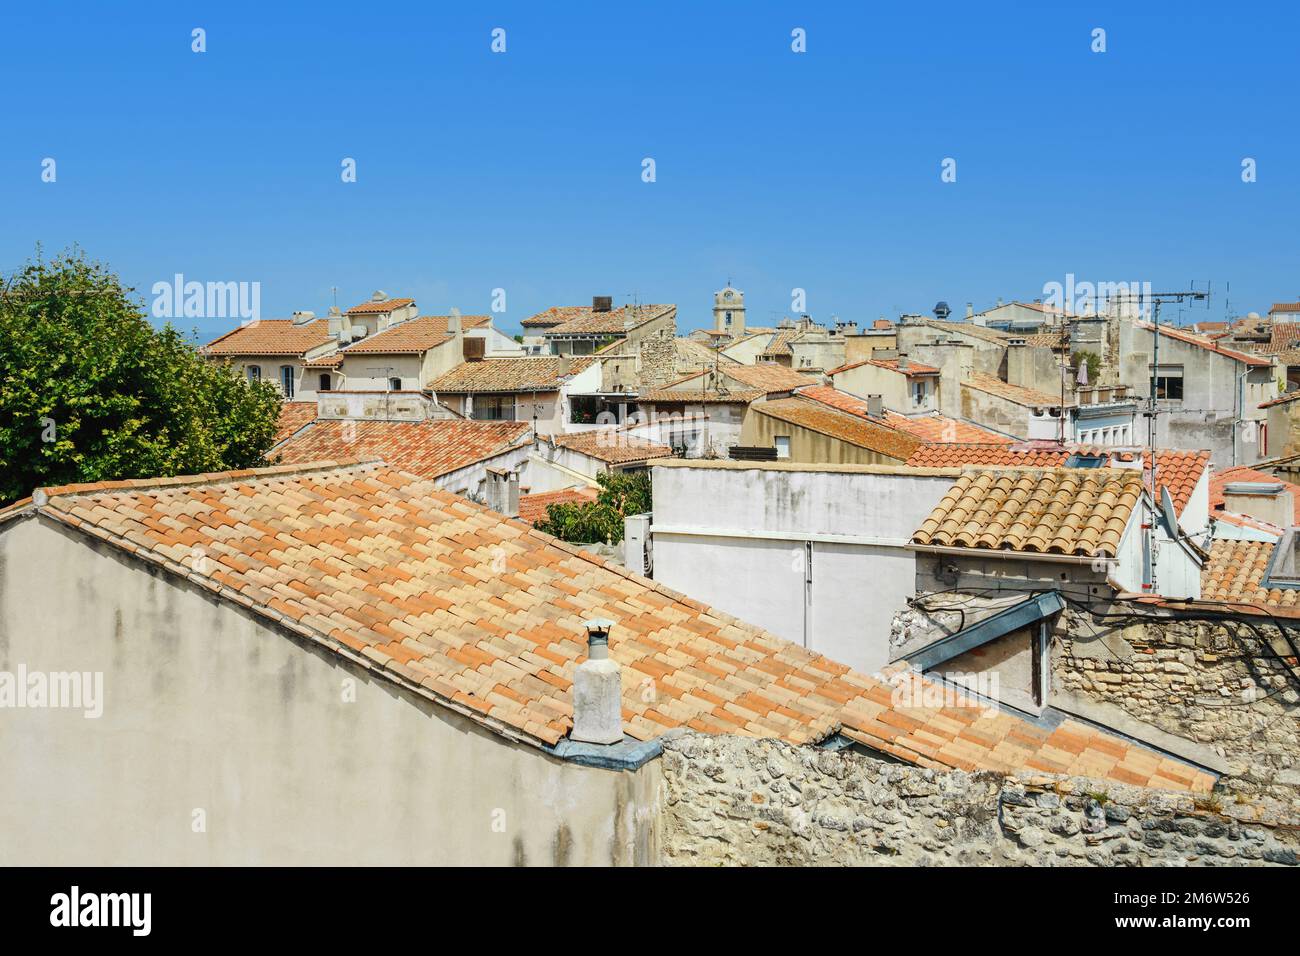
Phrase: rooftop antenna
(1156, 299)
(335, 291)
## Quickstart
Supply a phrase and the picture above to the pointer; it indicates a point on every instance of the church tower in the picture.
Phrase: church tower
(729, 311)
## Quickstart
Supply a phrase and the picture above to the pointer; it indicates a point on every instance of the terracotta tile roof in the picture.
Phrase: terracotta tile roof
(271, 337)
(1049, 340)
(387, 305)
(1281, 399)
(332, 360)
(697, 396)
(1236, 571)
(532, 508)
(1192, 339)
(1079, 511)
(928, 428)
(1285, 307)
(983, 332)
(386, 571)
(1029, 397)
(612, 446)
(426, 448)
(413, 336)
(1283, 337)
(779, 343)
(1220, 479)
(913, 368)
(767, 377)
(293, 415)
(854, 429)
(534, 374)
(1179, 471)
(583, 320)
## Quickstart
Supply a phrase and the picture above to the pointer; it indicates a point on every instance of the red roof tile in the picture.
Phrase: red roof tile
(426, 448)
(271, 337)
(532, 508)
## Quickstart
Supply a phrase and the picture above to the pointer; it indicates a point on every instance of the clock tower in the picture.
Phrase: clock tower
(729, 311)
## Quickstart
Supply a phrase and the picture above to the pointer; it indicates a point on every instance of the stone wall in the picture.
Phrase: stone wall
(658, 362)
(1218, 685)
(739, 801)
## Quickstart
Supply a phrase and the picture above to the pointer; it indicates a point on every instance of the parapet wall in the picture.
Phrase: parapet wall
(739, 801)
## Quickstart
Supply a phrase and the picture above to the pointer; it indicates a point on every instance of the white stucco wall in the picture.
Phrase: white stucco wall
(748, 552)
(209, 708)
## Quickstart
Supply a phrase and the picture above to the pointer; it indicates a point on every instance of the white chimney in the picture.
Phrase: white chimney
(970, 310)
(902, 362)
(453, 322)
(597, 690)
(876, 406)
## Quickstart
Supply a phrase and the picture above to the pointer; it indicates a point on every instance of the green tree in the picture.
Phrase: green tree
(91, 391)
(1094, 363)
(621, 494)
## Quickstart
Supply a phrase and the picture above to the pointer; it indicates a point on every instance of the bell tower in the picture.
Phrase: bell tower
(729, 311)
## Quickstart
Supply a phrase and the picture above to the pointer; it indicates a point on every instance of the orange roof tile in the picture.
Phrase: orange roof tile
(613, 446)
(584, 320)
(1192, 339)
(413, 336)
(426, 448)
(1079, 511)
(697, 396)
(532, 508)
(271, 337)
(535, 374)
(889, 365)
(866, 433)
(1220, 479)
(1020, 395)
(928, 428)
(1236, 572)
(382, 568)
(1179, 471)
(293, 416)
(387, 305)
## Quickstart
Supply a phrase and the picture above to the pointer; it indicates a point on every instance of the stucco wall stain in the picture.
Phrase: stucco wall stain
(562, 845)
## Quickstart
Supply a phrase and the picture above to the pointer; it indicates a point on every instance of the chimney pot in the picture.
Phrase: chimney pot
(597, 690)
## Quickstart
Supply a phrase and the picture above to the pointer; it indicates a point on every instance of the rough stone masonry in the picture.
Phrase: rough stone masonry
(739, 801)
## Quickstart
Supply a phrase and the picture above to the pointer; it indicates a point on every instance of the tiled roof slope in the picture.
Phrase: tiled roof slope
(699, 396)
(889, 365)
(387, 305)
(426, 448)
(1079, 511)
(583, 320)
(532, 508)
(1020, 395)
(928, 428)
(1179, 471)
(768, 377)
(1220, 479)
(293, 415)
(414, 335)
(536, 374)
(983, 332)
(613, 446)
(383, 569)
(1192, 339)
(1235, 573)
(853, 429)
(271, 337)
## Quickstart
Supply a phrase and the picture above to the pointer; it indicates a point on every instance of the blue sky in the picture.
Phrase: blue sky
(522, 170)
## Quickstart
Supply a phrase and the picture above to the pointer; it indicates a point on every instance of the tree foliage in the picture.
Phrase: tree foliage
(91, 391)
(1094, 363)
(621, 494)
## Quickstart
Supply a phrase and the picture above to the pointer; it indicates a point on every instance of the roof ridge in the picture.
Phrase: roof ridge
(203, 478)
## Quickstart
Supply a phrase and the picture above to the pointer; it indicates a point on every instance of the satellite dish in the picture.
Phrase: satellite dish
(1168, 512)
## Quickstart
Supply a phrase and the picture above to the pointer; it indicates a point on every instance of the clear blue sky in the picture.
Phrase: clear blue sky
(523, 170)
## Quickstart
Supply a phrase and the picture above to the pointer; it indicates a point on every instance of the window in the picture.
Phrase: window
(286, 380)
(918, 392)
(782, 446)
(325, 383)
(254, 373)
(394, 384)
(727, 317)
(1169, 382)
(494, 408)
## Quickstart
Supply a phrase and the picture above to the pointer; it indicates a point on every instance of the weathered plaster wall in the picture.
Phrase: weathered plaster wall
(209, 708)
(738, 801)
